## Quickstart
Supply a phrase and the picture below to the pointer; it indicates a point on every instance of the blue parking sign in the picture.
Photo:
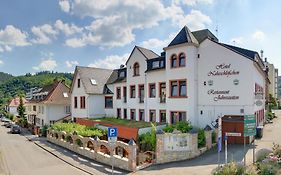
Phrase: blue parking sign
(112, 132)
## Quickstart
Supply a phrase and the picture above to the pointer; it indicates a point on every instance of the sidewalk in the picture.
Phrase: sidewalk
(84, 164)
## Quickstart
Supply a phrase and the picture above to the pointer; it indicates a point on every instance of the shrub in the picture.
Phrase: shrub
(276, 149)
(79, 143)
(44, 131)
(230, 169)
(201, 138)
(267, 168)
(182, 126)
(214, 137)
(147, 140)
(69, 139)
(82, 130)
(169, 128)
(270, 115)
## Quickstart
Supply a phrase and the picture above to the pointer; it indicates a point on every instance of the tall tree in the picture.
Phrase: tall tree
(21, 109)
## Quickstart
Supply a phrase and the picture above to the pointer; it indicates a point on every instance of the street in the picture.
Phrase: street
(18, 156)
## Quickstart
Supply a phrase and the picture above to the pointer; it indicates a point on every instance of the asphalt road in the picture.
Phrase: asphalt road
(18, 156)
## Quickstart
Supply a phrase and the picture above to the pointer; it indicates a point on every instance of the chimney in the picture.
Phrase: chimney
(262, 54)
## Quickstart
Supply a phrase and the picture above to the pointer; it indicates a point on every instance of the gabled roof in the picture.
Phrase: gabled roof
(148, 54)
(201, 35)
(87, 74)
(60, 95)
(115, 76)
(184, 36)
(55, 93)
(244, 52)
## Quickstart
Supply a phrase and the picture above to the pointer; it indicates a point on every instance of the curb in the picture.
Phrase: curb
(55, 155)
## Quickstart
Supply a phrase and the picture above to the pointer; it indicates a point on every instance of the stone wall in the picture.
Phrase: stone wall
(124, 155)
(179, 146)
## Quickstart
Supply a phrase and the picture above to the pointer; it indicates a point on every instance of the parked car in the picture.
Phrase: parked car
(15, 129)
(8, 124)
(4, 119)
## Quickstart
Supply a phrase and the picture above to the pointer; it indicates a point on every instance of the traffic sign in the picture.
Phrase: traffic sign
(112, 135)
(249, 125)
(233, 134)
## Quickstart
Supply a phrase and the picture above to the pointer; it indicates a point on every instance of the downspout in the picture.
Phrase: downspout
(145, 92)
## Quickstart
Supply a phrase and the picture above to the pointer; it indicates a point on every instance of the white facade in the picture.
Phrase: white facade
(238, 87)
(13, 110)
(206, 95)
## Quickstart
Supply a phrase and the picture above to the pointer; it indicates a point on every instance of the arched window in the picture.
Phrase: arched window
(182, 59)
(136, 69)
(174, 61)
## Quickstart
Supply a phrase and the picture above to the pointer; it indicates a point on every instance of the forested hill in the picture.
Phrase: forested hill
(11, 86)
(4, 77)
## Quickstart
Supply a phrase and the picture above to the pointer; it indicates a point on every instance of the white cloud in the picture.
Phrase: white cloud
(157, 43)
(48, 64)
(195, 20)
(114, 21)
(67, 29)
(11, 36)
(44, 34)
(64, 5)
(258, 35)
(194, 2)
(110, 62)
(75, 42)
(1, 49)
(70, 64)
(1, 62)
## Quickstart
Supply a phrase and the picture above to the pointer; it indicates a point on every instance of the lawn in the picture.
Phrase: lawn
(124, 122)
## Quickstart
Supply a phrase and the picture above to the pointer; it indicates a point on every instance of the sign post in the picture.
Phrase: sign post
(225, 142)
(219, 138)
(112, 138)
(249, 130)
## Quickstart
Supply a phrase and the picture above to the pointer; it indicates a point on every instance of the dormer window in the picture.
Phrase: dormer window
(122, 74)
(174, 61)
(93, 82)
(136, 69)
(181, 60)
(65, 95)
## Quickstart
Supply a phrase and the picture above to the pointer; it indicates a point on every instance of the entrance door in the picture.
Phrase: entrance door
(234, 124)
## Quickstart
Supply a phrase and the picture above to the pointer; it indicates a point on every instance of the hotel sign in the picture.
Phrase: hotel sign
(222, 95)
(223, 70)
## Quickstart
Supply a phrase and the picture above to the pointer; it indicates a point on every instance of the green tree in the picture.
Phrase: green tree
(21, 108)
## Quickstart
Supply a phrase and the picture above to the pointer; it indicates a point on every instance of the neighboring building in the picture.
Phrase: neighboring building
(48, 105)
(29, 94)
(195, 79)
(13, 105)
(273, 78)
(87, 92)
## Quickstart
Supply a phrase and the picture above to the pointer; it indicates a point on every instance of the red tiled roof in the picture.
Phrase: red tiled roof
(16, 101)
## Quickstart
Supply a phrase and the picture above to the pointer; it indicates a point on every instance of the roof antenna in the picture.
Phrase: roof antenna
(217, 29)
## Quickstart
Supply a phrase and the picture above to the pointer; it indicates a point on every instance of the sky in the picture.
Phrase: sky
(57, 35)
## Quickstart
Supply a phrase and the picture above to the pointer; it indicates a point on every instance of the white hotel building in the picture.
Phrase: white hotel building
(196, 78)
